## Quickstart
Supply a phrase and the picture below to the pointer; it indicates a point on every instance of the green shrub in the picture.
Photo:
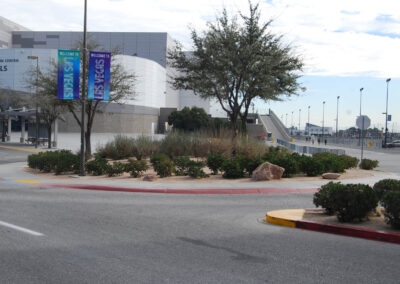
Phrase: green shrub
(59, 161)
(275, 152)
(214, 162)
(250, 164)
(136, 167)
(145, 147)
(351, 201)
(311, 167)
(332, 162)
(391, 203)
(232, 169)
(121, 147)
(162, 165)
(386, 185)
(182, 165)
(367, 164)
(115, 169)
(195, 170)
(288, 163)
(176, 144)
(97, 167)
(350, 162)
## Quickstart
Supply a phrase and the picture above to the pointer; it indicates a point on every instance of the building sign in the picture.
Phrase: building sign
(68, 74)
(99, 75)
(4, 63)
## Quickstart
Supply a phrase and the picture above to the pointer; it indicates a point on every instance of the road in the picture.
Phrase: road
(79, 236)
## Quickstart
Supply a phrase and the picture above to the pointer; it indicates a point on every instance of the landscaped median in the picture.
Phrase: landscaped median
(316, 220)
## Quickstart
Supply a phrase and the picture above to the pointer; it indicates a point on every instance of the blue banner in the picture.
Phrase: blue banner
(99, 76)
(68, 74)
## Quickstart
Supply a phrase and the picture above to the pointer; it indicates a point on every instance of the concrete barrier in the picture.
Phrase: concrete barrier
(308, 149)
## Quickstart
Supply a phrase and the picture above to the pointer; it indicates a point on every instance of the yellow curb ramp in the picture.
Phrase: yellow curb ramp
(26, 181)
(286, 218)
(21, 149)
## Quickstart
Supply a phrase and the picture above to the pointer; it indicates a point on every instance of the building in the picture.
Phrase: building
(315, 130)
(143, 54)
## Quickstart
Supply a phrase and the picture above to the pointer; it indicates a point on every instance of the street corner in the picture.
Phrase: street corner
(306, 219)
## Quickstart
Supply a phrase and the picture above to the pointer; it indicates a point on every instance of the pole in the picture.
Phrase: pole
(292, 124)
(286, 120)
(387, 99)
(359, 132)
(308, 125)
(36, 108)
(337, 115)
(83, 97)
(323, 119)
(299, 119)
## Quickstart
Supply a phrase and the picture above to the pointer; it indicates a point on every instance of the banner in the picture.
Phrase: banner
(99, 76)
(68, 74)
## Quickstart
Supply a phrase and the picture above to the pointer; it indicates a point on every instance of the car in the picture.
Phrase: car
(394, 143)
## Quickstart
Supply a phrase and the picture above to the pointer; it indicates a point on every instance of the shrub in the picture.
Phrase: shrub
(115, 169)
(97, 166)
(145, 147)
(367, 164)
(350, 162)
(391, 202)
(120, 148)
(351, 201)
(331, 162)
(386, 185)
(250, 164)
(214, 162)
(162, 165)
(182, 165)
(311, 167)
(275, 152)
(59, 161)
(288, 163)
(232, 168)
(195, 170)
(136, 167)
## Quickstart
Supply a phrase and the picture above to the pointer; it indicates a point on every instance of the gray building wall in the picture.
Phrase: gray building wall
(6, 29)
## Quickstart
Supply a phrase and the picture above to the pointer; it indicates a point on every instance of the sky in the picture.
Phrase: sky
(346, 45)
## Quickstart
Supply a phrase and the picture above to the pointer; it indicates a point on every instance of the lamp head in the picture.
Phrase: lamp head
(338, 97)
(361, 89)
(388, 80)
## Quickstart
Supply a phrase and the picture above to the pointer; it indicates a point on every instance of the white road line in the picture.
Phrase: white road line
(5, 224)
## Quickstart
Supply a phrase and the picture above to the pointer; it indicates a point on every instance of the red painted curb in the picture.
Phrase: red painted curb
(186, 191)
(350, 231)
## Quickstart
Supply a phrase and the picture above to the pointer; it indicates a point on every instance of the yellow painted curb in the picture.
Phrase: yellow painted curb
(280, 222)
(21, 149)
(27, 181)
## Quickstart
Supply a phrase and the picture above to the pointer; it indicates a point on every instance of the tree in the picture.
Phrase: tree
(189, 119)
(8, 98)
(236, 63)
(121, 88)
(46, 98)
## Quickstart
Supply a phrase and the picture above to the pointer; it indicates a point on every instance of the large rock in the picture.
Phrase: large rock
(330, 176)
(149, 177)
(267, 171)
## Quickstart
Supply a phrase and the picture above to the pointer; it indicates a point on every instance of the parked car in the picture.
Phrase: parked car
(394, 143)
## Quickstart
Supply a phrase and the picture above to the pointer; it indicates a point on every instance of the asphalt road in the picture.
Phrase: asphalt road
(111, 237)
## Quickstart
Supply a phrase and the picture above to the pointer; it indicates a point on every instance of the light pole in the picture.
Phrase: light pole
(308, 125)
(323, 118)
(359, 134)
(292, 125)
(387, 99)
(83, 97)
(36, 99)
(337, 115)
(299, 118)
(286, 120)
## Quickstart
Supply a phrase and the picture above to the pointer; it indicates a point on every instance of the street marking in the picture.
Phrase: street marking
(21, 149)
(18, 228)
(26, 181)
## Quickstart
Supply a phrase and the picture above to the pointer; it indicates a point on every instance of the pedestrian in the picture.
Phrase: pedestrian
(325, 142)
(312, 140)
(319, 141)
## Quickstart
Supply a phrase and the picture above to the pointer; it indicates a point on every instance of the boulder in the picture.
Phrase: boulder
(331, 176)
(149, 178)
(267, 171)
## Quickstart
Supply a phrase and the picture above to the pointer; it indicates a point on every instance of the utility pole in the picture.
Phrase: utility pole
(337, 115)
(387, 99)
(323, 118)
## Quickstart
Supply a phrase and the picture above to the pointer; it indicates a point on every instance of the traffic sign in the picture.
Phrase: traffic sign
(359, 122)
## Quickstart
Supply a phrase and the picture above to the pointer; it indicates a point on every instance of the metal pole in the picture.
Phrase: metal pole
(359, 132)
(337, 115)
(83, 97)
(292, 124)
(36, 109)
(299, 119)
(387, 99)
(286, 120)
(308, 126)
(323, 119)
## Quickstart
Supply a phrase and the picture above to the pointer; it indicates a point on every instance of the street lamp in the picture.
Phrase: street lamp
(299, 118)
(36, 95)
(359, 136)
(387, 98)
(292, 125)
(308, 126)
(323, 118)
(286, 120)
(337, 115)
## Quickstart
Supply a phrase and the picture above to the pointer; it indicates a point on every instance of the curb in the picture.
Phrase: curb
(343, 230)
(184, 190)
